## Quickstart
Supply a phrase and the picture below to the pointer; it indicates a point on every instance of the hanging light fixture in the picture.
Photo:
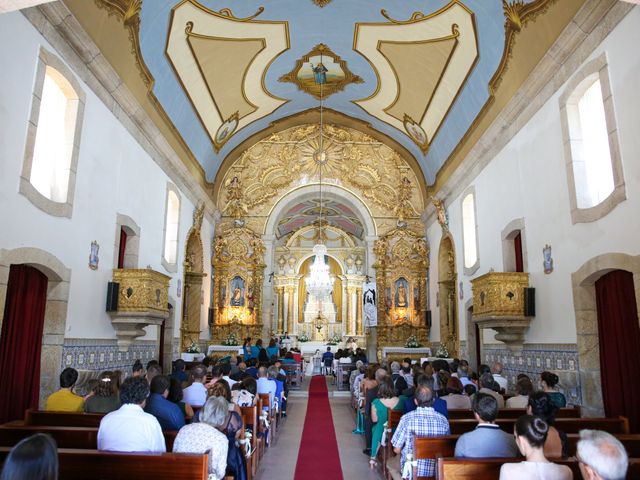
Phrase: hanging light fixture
(319, 282)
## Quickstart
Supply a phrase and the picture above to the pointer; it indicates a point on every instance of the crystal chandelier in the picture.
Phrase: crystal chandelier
(319, 283)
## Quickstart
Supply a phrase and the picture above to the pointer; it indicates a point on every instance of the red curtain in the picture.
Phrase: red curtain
(21, 341)
(517, 245)
(122, 248)
(619, 345)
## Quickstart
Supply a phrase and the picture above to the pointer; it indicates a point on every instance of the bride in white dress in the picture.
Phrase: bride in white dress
(314, 365)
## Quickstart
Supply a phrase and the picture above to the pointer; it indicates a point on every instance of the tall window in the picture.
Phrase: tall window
(592, 164)
(53, 137)
(594, 167)
(469, 237)
(172, 220)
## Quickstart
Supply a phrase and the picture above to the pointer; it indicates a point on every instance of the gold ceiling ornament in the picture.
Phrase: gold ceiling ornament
(416, 133)
(320, 61)
(354, 160)
(322, 3)
(415, 17)
(441, 212)
(404, 209)
(517, 15)
(129, 12)
(226, 12)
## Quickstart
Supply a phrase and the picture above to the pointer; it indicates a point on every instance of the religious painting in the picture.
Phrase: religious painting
(225, 131)
(237, 292)
(416, 133)
(93, 255)
(369, 301)
(321, 73)
(402, 293)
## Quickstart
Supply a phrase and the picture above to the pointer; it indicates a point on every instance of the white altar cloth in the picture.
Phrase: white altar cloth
(398, 351)
(225, 349)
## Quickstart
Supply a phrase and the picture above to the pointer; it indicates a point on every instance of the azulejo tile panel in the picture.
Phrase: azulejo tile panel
(562, 359)
(91, 354)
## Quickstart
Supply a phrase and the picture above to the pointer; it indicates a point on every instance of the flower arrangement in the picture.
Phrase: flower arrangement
(412, 342)
(231, 340)
(193, 348)
(442, 351)
(335, 340)
(303, 337)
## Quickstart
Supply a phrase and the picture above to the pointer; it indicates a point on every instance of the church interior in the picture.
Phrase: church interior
(415, 181)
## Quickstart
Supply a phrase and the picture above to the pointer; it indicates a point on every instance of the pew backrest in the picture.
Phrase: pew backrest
(250, 417)
(81, 464)
(615, 426)
(630, 441)
(62, 419)
(65, 437)
(484, 468)
(465, 413)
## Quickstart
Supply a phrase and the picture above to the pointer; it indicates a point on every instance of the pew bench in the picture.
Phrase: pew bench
(615, 426)
(515, 413)
(65, 437)
(62, 419)
(76, 464)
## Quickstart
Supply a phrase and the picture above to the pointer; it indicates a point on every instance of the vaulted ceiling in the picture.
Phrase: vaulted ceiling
(417, 73)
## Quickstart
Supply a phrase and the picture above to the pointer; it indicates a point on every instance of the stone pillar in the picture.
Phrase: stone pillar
(290, 292)
(350, 319)
(359, 311)
(281, 310)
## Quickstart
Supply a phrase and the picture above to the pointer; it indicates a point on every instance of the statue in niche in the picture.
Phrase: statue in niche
(237, 292)
(401, 293)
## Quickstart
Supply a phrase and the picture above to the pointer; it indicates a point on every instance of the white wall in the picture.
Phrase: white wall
(528, 179)
(114, 175)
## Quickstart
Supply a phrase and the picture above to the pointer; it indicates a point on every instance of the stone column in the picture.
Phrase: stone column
(359, 311)
(290, 291)
(350, 322)
(281, 310)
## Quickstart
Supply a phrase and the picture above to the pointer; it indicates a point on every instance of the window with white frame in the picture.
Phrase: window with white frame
(53, 137)
(594, 167)
(469, 234)
(172, 220)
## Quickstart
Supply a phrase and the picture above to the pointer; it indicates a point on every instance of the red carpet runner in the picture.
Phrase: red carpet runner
(318, 456)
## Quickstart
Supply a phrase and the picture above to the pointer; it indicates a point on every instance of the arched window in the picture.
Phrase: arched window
(53, 138)
(172, 220)
(594, 167)
(469, 234)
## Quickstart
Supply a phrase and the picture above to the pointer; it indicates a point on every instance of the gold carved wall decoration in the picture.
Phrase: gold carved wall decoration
(238, 263)
(404, 209)
(354, 160)
(322, 3)
(236, 207)
(402, 266)
(517, 15)
(129, 12)
(441, 212)
(321, 61)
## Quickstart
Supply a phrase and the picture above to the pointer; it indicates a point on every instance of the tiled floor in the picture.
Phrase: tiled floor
(279, 461)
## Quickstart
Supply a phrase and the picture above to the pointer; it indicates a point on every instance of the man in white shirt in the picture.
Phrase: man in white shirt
(497, 376)
(264, 385)
(130, 428)
(226, 371)
(196, 393)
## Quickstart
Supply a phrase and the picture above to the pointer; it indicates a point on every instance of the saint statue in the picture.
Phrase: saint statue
(402, 296)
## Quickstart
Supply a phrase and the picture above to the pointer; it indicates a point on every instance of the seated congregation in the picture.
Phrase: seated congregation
(224, 412)
(441, 420)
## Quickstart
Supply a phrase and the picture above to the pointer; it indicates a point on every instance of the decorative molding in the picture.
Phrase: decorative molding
(571, 49)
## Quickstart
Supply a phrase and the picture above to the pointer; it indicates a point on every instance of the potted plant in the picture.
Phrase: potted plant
(412, 342)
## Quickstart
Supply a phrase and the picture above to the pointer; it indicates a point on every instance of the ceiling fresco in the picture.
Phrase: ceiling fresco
(334, 214)
(418, 71)
(417, 75)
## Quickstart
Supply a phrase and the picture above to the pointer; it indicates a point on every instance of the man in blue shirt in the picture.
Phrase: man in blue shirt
(168, 413)
(421, 379)
(327, 361)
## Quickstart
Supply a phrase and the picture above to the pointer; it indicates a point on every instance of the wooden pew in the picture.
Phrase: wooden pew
(65, 437)
(266, 405)
(615, 426)
(250, 417)
(485, 468)
(630, 441)
(62, 419)
(462, 414)
(386, 452)
(82, 464)
(431, 448)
